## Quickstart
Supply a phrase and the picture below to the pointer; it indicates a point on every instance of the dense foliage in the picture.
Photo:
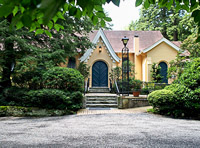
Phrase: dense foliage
(35, 14)
(43, 15)
(192, 46)
(67, 79)
(185, 100)
(84, 69)
(26, 58)
(42, 98)
(26, 55)
(162, 100)
(174, 25)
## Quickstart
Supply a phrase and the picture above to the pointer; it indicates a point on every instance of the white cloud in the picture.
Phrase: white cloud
(122, 15)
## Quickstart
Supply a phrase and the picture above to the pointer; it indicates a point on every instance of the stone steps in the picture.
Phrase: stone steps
(102, 105)
(99, 90)
(101, 100)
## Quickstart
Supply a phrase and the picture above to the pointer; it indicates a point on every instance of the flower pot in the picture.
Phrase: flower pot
(136, 93)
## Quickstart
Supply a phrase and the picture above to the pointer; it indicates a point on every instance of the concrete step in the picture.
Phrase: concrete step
(102, 105)
(101, 102)
(99, 90)
(101, 98)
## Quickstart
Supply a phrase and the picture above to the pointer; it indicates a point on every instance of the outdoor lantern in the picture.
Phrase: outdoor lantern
(100, 49)
(125, 40)
(125, 67)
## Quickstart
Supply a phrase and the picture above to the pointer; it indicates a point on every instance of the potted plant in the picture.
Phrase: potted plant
(136, 86)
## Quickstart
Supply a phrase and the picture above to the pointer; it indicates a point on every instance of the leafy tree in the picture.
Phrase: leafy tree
(189, 49)
(43, 15)
(115, 74)
(192, 46)
(34, 14)
(172, 24)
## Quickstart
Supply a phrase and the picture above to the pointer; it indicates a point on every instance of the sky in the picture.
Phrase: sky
(122, 15)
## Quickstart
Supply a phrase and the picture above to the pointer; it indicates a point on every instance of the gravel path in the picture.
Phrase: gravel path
(134, 130)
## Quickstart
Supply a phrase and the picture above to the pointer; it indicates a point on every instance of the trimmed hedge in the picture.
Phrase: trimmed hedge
(162, 100)
(67, 79)
(49, 99)
(186, 102)
(43, 98)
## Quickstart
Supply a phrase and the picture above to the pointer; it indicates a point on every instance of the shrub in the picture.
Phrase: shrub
(84, 69)
(76, 100)
(135, 84)
(162, 100)
(63, 78)
(49, 98)
(191, 75)
(15, 96)
(186, 102)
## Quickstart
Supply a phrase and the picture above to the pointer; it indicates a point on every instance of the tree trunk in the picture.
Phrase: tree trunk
(9, 59)
(175, 34)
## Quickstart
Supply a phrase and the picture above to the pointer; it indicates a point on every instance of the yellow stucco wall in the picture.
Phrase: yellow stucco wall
(100, 56)
(131, 58)
(161, 53)
(138, 60)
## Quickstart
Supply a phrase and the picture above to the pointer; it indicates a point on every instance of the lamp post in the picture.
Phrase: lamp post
(125, 67)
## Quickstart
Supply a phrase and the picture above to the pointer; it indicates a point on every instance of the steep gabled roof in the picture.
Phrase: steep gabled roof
(160, 41)
(95, 37)
(146, 38)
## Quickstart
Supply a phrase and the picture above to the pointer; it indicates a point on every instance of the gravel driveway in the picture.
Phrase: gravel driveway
(134, 130)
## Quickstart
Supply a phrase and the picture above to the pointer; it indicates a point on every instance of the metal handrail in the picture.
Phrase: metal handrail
(117, 87)
(86, 85)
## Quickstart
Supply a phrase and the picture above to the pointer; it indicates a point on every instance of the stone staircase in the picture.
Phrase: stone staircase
(99, 90)
(100, 98)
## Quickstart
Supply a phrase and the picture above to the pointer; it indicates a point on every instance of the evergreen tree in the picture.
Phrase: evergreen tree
(32, 54)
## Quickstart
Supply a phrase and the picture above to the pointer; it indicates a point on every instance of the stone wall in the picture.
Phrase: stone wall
(132, 102)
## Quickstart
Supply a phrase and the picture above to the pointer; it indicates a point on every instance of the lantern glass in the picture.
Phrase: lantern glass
(125, 40)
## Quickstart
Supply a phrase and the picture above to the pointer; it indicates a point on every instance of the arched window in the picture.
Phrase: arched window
(71, 62)
(163, 72)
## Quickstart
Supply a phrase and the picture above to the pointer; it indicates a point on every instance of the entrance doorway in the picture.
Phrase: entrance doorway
(99, 74)
(163, 72)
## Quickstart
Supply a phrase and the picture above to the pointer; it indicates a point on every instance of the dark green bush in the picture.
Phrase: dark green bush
(191, 75)
(49, 98)
(162, 100)
(144, 91)
(31, 79)
(186, 102)
(76, 100)
(15, 96)
(67, 79)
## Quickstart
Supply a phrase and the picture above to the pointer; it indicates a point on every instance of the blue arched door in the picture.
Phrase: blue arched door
(99, 74)
(163, 72)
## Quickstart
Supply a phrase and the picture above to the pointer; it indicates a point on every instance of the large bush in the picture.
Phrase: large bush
(186, 90)
(15, 96)
(43, 98)
(162, 100)
(191, 75)
(49, 98)
(67, 79)
(186, 102)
